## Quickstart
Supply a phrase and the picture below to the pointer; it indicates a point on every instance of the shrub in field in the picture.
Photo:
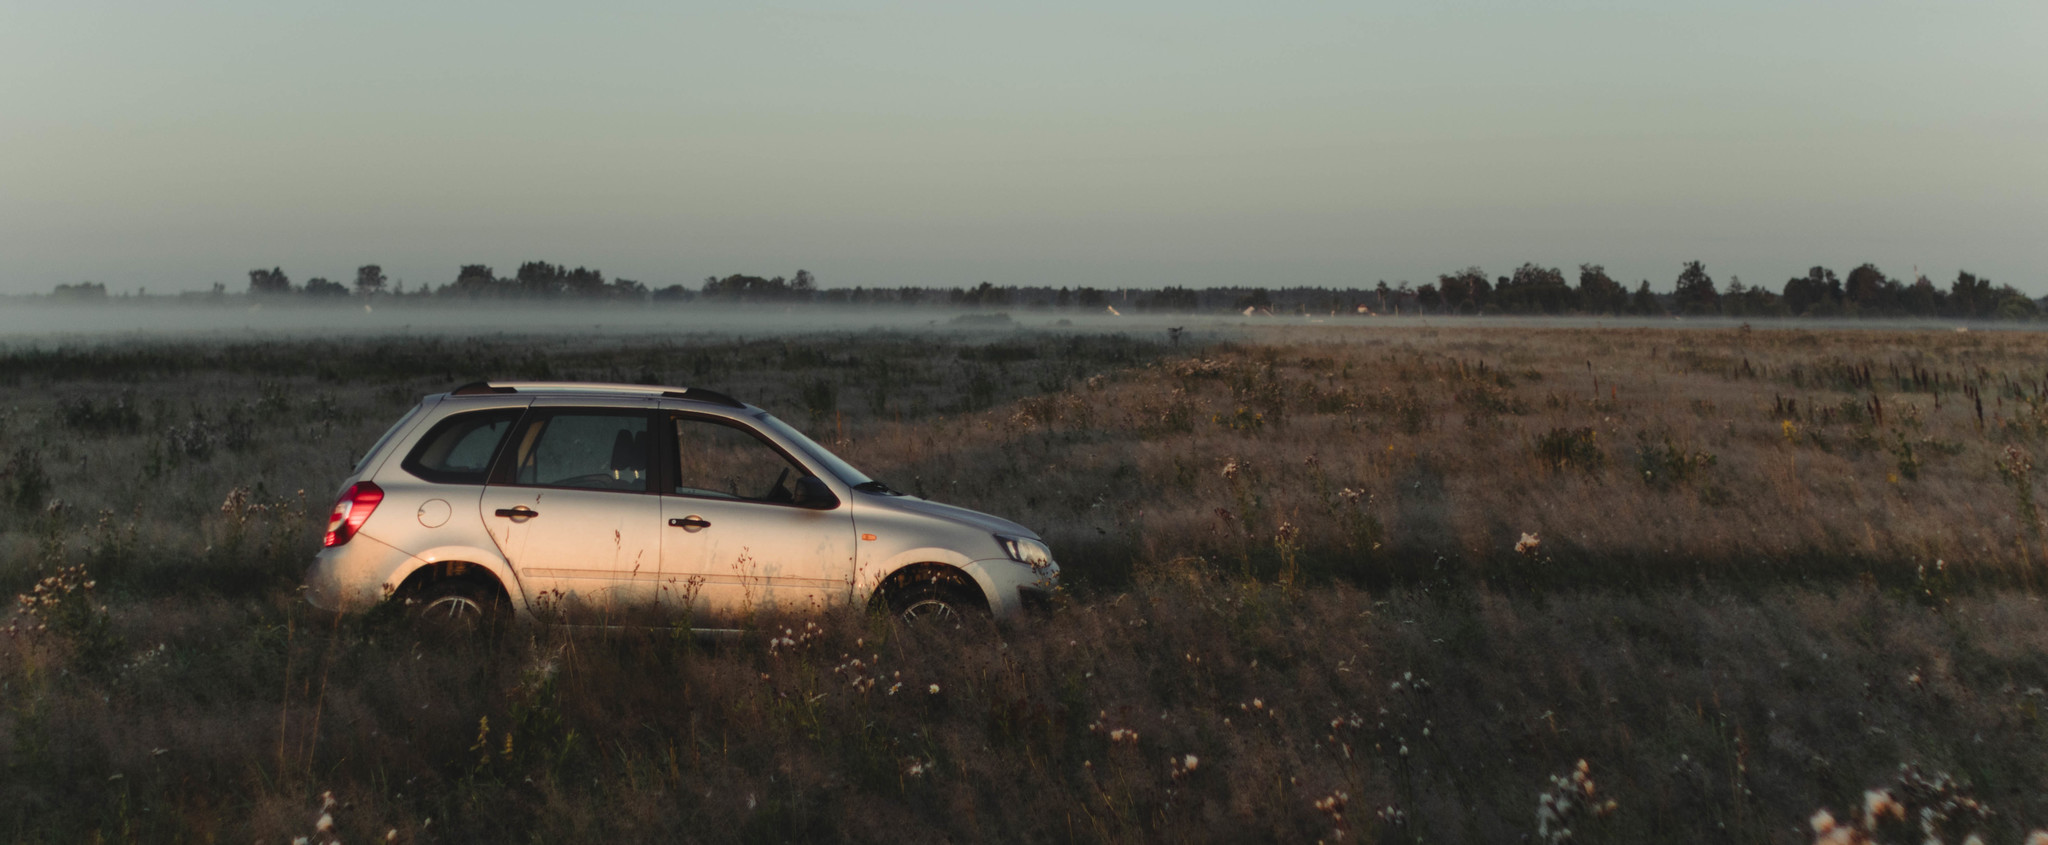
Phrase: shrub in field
(117, 415)
(1916, 809)
(1571, 448)
(820, 400)
(1572, 802)
(23, 482)
(2016, 466)
(61, 606)
(1665, 464)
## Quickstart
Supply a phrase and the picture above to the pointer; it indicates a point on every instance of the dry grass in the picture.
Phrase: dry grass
(1295, 560)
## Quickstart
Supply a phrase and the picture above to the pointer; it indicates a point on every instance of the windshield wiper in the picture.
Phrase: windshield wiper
(877, 488)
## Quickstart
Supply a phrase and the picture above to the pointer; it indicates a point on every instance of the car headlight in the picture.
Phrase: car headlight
(1026, 551)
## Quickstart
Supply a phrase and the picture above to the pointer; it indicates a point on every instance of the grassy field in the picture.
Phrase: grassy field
(1384, 584)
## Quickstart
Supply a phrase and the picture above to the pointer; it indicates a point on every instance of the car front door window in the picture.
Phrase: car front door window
(720, 461)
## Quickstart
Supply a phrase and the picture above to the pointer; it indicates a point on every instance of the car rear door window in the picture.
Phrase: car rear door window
(589, 450)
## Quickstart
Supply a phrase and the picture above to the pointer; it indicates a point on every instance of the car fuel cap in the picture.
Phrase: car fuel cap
(434, 513)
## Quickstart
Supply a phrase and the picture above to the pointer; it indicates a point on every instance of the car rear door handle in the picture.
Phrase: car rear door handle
(521, 512)
(692, 523)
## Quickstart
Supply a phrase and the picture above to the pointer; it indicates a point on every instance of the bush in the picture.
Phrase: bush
(1664, 465)
(118, 416)
(23, 483)
(1571, 447)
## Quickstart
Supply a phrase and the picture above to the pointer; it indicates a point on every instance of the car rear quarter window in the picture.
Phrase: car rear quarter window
(459, 449)
(384, 441)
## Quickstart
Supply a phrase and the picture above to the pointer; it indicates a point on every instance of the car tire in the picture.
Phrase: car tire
(456, 607)
(934, 603)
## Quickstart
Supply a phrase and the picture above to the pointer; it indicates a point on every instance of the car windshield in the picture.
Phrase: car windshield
(839, 468)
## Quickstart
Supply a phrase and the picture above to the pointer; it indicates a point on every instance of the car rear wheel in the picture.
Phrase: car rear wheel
(456, 607)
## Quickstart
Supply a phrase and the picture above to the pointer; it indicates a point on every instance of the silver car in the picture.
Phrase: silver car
(607, 503)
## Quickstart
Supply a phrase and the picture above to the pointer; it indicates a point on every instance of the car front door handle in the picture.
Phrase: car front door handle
(521, 512)
(692, 523)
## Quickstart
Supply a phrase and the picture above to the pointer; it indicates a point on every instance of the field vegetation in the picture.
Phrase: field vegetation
(1387, 584)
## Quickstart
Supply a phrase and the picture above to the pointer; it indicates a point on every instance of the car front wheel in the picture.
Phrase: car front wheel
(933, 603)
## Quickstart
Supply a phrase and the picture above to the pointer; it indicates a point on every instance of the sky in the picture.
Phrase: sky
(170, 146)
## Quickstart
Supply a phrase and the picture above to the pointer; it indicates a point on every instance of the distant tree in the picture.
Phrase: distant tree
(803, 285)
(1814, 294)
(1922, 298)
(1733, 298)
(984, 294)
(1598, 293)
(1090, 298)
(1256, 298)
(1644, 302)
(369, 279)
(1867, 289)
(1969, 296)
(320, 287)
(585, 283)
(1460, 291)
(1487, 297)
(746, 288)
(1695, 293)
(80, 291)
(627, 290)
(538, 279)
(269, 281)
(1428, 295)
(476, 280)
(2013, 305)
(1174, 299)
(673, 293)
(1533, 290)
(1741, 300)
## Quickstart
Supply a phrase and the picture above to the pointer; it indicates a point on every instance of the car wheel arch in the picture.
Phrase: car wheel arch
(952, 577)
(478, 568)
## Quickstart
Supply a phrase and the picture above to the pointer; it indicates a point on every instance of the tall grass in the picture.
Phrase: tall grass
(1756, 571)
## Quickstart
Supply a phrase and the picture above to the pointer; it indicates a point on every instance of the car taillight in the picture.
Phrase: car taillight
(350, 511)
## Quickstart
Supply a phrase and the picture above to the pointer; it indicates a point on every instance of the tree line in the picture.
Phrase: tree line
(1530, 289)
(1866, 292)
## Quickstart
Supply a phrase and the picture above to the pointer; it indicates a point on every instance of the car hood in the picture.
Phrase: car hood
(977, 519)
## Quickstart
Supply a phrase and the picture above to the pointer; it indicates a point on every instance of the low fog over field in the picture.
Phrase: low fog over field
(36, 322)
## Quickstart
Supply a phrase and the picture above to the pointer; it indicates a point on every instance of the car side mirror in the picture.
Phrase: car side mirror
(811, 492)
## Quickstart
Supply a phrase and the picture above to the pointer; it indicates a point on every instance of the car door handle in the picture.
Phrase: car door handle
(692, 523)
(521, 512)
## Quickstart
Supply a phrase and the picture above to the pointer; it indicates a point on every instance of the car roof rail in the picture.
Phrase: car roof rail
(692, 393)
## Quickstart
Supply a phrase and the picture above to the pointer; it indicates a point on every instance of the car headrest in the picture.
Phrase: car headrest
(627, 455)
